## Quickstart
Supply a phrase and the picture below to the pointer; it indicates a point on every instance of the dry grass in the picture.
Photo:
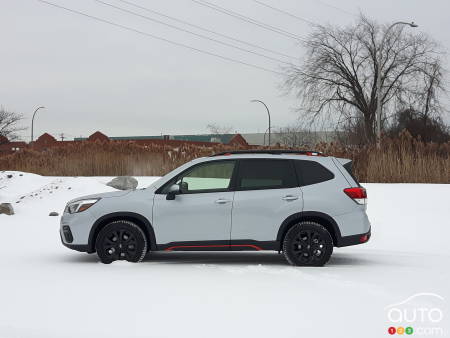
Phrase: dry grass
(401, 160)
(105, 159)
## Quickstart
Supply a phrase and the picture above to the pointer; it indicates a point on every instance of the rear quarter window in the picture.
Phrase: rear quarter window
(311, 172)
(265, 174)
(348, 166)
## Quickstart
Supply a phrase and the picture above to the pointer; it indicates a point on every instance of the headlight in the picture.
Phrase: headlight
(80, 206)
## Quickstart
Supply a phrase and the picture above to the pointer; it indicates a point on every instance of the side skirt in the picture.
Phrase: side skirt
(233, 245)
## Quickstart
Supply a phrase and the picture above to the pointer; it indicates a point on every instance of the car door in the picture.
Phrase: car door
(267, 192)
(201, 212)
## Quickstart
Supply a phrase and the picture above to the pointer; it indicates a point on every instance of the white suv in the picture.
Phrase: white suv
(301, 203)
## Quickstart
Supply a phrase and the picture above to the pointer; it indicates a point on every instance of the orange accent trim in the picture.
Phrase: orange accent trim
(213, 246)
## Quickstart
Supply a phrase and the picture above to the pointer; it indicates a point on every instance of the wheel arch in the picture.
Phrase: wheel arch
(138, 219)
(313, 216)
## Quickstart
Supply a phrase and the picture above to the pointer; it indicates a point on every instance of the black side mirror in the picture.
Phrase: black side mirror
(184, 187)
(173, 191)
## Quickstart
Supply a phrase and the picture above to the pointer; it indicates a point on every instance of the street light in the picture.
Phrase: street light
(264, 140)
(379, 73)
(268, 113)
(32, 122)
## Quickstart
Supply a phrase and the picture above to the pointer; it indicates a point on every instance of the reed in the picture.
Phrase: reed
(401, 160)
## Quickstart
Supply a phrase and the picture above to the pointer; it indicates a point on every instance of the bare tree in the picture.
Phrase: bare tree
(218, 130)
(9, 123)
(337, 78)
(295, 136)
(429, 97)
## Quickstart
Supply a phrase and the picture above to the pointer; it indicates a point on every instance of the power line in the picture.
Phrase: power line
(160, 38)
(249, 20)
(205, 29)
(336, 8)
(285, 12)
(191, 32)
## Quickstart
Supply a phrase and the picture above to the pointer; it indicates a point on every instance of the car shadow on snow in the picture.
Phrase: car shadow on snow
(244, 258)
(227, 258)
(269, 258)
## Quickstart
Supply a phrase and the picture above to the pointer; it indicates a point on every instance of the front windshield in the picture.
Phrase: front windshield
(160, 181)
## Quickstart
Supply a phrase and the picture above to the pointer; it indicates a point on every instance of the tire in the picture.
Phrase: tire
(307, 244)
(121, 240)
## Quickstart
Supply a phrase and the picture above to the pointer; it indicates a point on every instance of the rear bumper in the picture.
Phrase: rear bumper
(354, 239)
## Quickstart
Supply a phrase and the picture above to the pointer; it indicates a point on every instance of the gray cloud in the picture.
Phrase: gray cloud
(92, 76)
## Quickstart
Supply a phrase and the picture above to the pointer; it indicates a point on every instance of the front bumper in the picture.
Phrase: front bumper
(75, 228)
(77, 247)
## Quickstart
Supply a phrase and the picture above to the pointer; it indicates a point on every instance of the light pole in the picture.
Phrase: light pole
(32, 122)
(379, 74)
(268, 113)
(264, 140)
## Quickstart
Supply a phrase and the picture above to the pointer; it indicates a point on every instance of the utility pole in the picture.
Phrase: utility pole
(62, 136)
(268, 113)
(379, 74)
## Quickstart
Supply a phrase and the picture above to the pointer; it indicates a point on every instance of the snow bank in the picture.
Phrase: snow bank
(49, 291)
(33, 194)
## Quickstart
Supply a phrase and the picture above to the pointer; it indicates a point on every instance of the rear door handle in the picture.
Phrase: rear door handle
(222, 201)
(289, 198)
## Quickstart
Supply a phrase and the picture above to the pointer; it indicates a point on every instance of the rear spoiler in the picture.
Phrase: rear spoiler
(344, 161)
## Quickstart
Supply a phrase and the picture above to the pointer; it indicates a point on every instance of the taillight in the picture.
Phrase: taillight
(359, 195)
(363, 239)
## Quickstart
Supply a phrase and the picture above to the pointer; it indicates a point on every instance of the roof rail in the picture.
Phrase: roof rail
(269, 151)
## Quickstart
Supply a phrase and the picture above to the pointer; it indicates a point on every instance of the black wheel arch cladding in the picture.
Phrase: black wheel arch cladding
(314, 216)
(138, 219)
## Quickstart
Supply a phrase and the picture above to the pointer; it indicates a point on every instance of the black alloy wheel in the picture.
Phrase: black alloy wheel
(308, 244)
(121, 240)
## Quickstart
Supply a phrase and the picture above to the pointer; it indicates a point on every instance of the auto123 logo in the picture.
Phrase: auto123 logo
(420, 314)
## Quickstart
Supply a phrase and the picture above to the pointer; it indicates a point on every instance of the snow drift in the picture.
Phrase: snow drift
(49, 291)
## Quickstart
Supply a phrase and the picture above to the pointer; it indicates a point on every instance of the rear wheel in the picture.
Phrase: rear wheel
(307, 244)
(121, 240)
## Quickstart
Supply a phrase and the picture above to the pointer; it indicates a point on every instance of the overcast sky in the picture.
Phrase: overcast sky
(93, 76)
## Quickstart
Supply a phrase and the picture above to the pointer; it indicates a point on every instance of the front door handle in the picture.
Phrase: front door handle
(222, 201)
(289, 198)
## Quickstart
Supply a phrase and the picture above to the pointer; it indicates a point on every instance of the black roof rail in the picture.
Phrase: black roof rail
(270, 151)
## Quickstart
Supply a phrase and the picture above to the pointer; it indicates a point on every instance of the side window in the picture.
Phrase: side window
(207, 177)
(265, 174)
(312, 172)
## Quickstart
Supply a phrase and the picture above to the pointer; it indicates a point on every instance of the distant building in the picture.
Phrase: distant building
(10, 147)
(46, 141)
(97, 137)
(175, 140)
(306, 138)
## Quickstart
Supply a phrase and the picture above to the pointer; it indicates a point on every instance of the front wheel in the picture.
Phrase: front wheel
(121, 240)
(307, 244)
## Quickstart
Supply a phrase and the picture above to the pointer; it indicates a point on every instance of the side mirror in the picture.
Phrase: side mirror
(184, 187)
(173, 191)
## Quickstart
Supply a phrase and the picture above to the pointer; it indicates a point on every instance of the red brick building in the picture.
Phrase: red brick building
(46, 141)
(177, 140)
(9, 147)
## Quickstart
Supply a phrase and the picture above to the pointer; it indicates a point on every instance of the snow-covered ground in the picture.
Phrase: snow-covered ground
(49, 291)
